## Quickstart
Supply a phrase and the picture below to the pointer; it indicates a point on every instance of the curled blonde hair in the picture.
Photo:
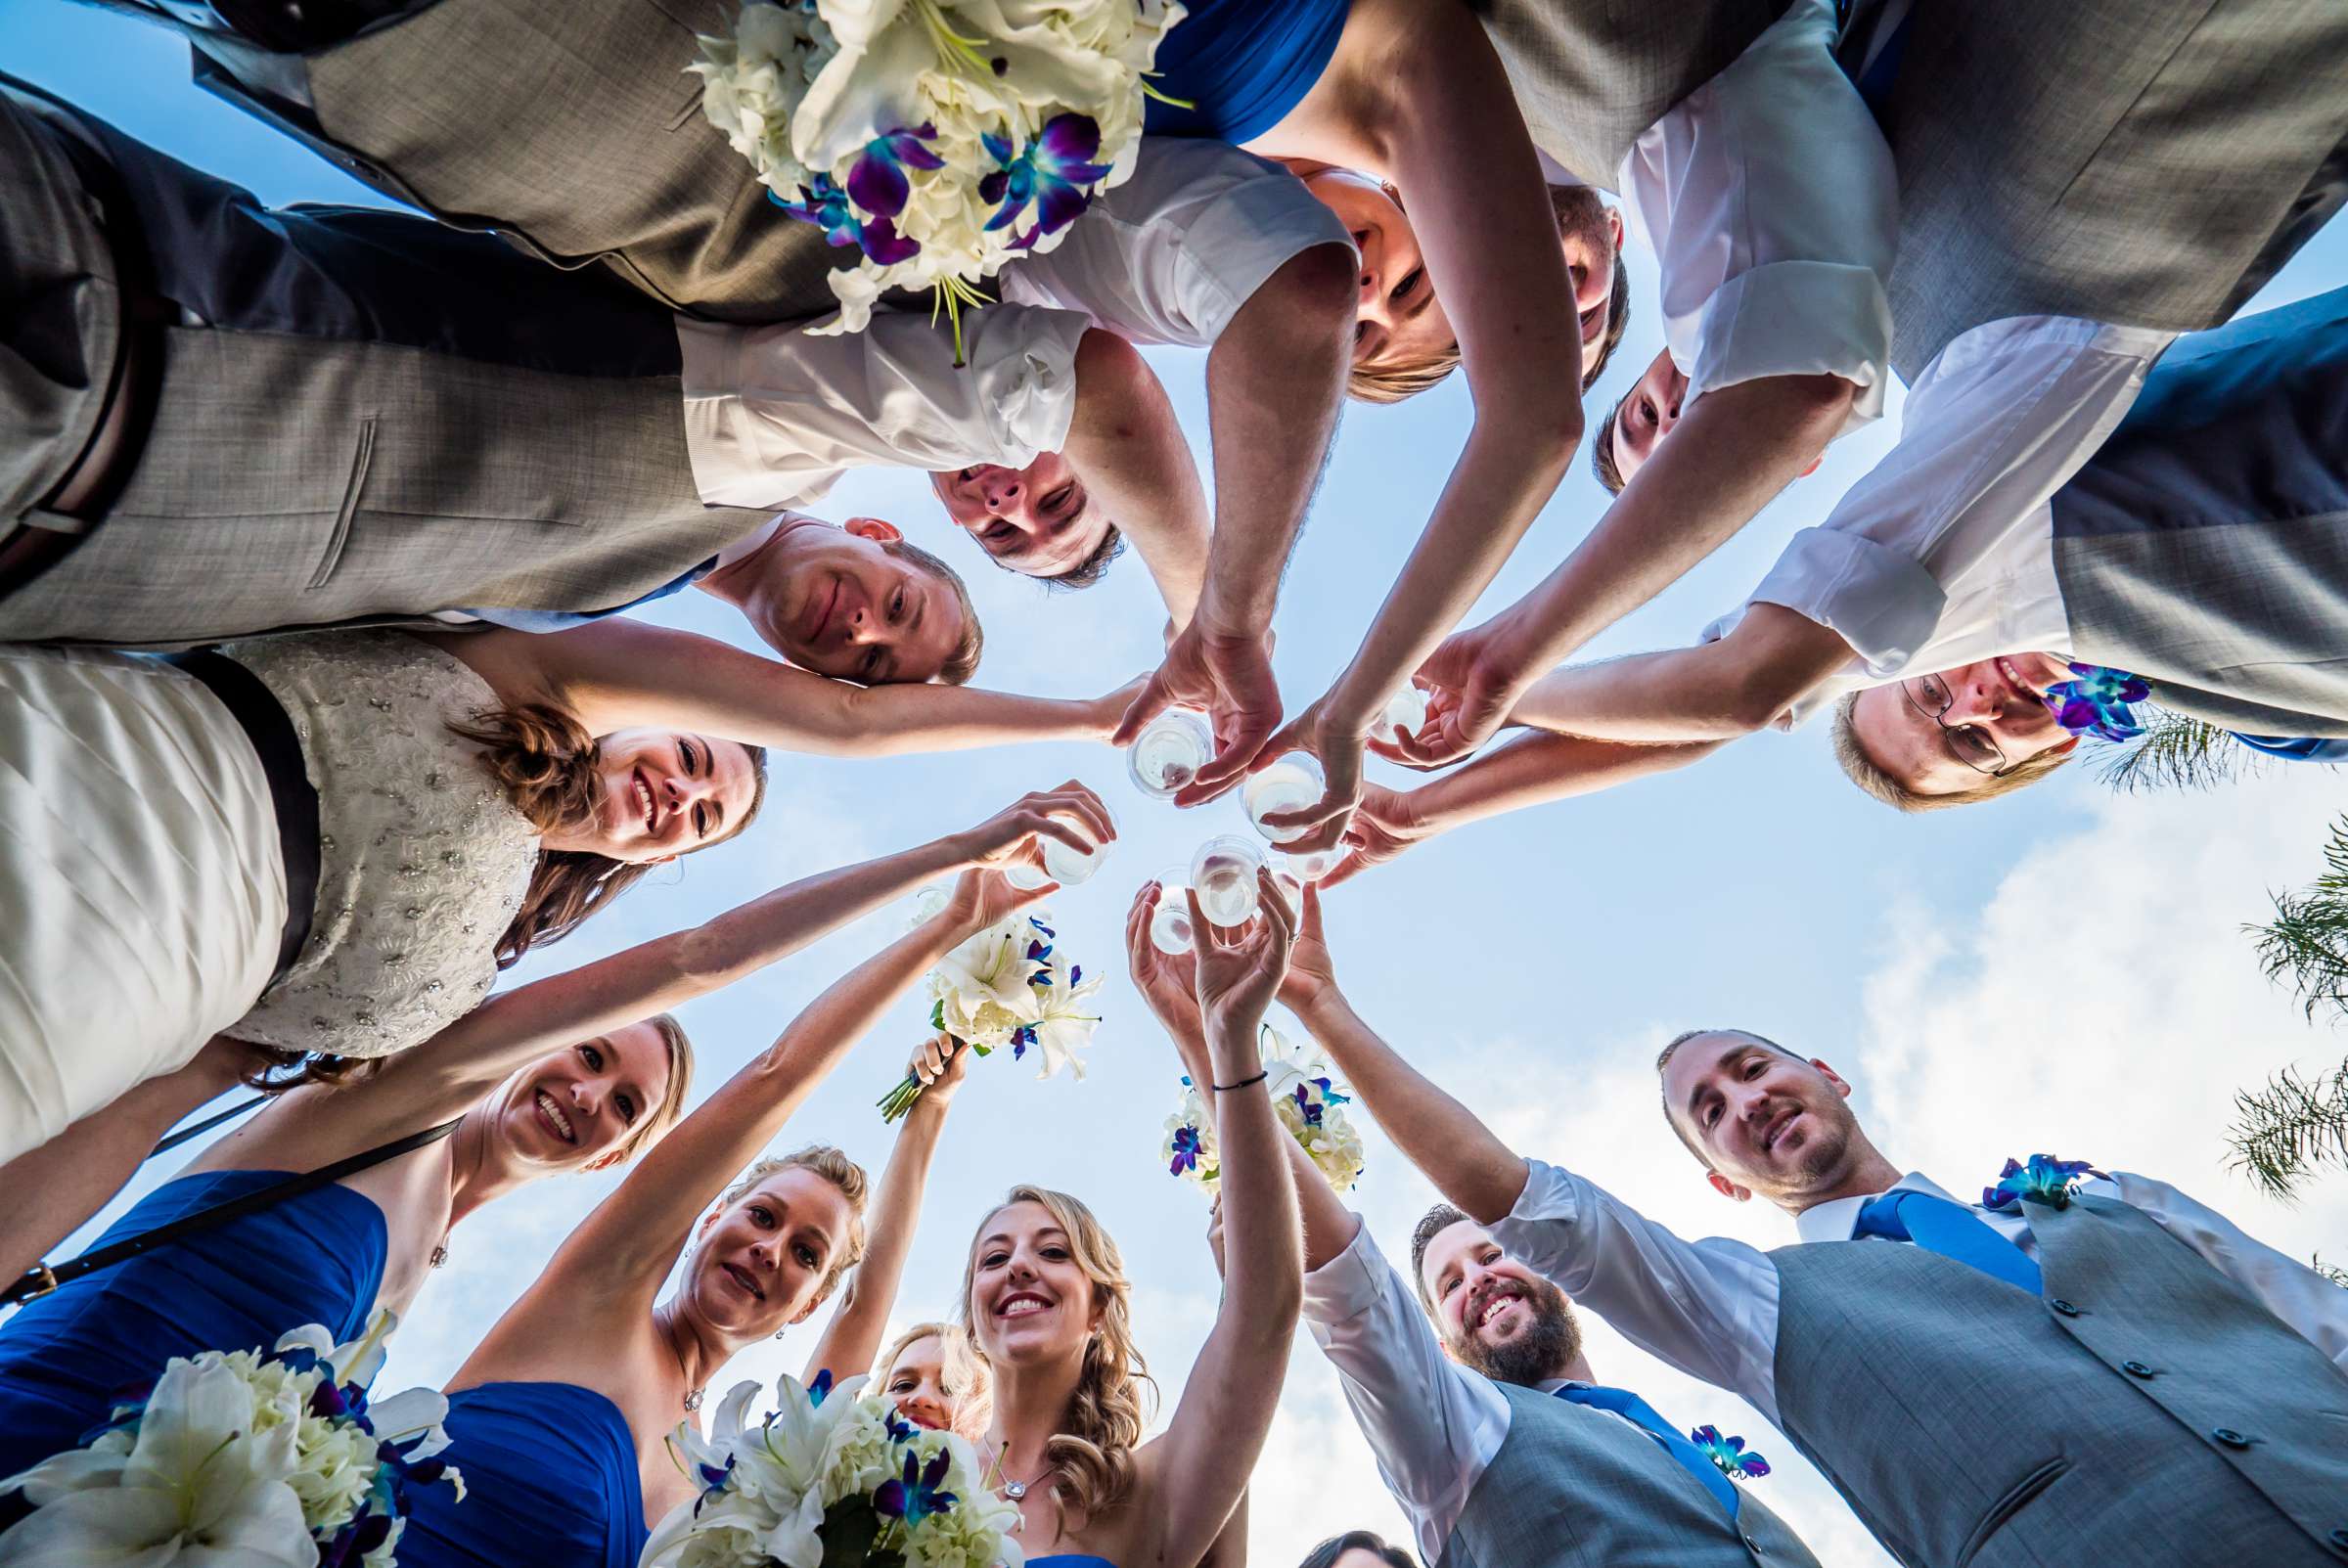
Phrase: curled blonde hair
(833, 1166)
(1850, 754)
(963, 1374)
(649, 1130)
(1092, 1454)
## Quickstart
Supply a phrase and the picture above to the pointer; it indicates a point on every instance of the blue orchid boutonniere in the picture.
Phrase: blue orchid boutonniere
(1729, 1454)
(2043, 1180)
(2096, 703)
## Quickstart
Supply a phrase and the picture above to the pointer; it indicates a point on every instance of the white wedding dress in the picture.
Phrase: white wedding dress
(141, 885)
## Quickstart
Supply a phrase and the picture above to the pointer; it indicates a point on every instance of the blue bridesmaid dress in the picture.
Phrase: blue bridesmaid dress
(1241, 65)
(549, 1481)
(67, 1358)
(1071, 1560)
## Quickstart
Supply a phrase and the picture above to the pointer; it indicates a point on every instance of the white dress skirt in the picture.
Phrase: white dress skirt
(142, 883)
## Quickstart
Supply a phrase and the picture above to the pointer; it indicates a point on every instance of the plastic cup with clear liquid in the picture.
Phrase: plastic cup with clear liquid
(1170, 923)
(1169, 752)
(1291, 784)
(1309, 867)
(1063, 865)
(1223, 873)
(1406, 710)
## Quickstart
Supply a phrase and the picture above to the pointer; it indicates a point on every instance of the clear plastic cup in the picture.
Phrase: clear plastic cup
(1170, 923)
(929, 903)
(1311, 866)
(1406, 710)
(1291, 784)
(1062, 865)
(1223, 873)
(1169, 752)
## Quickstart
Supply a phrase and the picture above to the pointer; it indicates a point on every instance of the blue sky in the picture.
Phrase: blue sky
(2064, 970)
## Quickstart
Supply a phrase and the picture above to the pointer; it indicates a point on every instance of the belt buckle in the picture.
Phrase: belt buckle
(34, 1283)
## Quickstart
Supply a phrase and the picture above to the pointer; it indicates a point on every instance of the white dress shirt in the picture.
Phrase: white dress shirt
(1710, 1306)
(1770, 203)
(1170, 255)
(1943, 554)
(1433, 1424)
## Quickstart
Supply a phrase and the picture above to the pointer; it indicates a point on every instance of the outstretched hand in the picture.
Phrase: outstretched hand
(982, 898)
(1239, 969)
(1168, 982)
(1013, 835)
(1312, 976)
(1473, 678)
(1229, 675)
(1385, 823)
(939, 1063)
(1337, 744)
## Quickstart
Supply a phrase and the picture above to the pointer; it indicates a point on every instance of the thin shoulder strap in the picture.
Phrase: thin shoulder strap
(41, 1278)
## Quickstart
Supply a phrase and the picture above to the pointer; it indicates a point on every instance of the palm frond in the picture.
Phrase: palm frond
(2286, 1132)
(2329, 1270)
(2307, 942)
(2176, 752)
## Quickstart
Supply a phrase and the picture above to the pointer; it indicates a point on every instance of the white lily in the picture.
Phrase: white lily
(1064, 1023)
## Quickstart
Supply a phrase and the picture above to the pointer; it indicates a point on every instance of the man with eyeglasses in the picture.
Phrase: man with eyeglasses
(2203, 547)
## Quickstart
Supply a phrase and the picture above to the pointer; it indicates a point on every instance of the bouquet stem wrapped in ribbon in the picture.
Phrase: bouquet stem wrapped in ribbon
(1003, 988)
(938, 138)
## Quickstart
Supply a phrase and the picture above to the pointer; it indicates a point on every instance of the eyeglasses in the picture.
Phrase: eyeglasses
(1969, 743)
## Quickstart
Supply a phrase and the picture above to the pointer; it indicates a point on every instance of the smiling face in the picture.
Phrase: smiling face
(1765, 1121)
(662, 794)
(1996, 716)
(916, 1384)
(765, 1258)
(1029, 1299)
(1039, 521)
(1495, 1315)
(841, 602)
(574, 1106)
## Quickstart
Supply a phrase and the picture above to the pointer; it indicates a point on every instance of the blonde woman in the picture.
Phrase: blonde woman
(1047, 1304)
(330, 844)
(936, 1380)
(562, 1074)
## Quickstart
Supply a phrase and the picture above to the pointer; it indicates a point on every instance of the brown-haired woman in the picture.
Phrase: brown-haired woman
(1047, 1302)
(329, 845)
(564, 1074)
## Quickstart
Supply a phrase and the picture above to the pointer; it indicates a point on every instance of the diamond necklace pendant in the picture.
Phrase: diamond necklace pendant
(1017, 1491)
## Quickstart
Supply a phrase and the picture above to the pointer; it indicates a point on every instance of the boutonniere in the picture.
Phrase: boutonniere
(2044, 1180)
(1729, 1454)
(2096, 702)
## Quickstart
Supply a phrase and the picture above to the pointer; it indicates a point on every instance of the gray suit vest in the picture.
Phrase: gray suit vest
(2145, 1412)
(1577, 1487)
(2205, 544)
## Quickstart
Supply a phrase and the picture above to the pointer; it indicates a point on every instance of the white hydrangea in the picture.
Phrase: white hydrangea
(1297, 1077)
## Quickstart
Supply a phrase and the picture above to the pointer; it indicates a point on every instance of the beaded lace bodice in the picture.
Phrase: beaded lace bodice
(422, 859)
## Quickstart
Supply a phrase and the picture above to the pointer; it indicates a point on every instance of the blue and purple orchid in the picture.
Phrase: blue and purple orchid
(2044, 1179)
(2096, 702)
(877, 181)
(1186, 1147)
(1053, 173)
(828, 207)
(1729, 1454)
(919, 1493)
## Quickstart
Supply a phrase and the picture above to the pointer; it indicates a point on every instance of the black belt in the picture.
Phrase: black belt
(271, 732)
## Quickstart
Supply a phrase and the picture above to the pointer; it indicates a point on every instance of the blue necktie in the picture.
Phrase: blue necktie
(1622, 1402)
(1950, 1229)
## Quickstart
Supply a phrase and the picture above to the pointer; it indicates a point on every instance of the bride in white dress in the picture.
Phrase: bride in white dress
(435, 804)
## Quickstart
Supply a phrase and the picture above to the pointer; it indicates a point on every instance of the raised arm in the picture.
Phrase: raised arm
(1458, 149)
(1468, 1163)
(627, 1245)
(852, 1338)
(616, 674)
(1526, 772)
(1126, 445)
(1200, 1467)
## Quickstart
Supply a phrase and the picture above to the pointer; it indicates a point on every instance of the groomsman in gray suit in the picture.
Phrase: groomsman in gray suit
(236, 419)
(2078, 1368)
(1470, 1380)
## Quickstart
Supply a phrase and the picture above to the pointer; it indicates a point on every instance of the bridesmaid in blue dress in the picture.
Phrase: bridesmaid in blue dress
(562, 1074)
(560, 1416)
(1047, 1303)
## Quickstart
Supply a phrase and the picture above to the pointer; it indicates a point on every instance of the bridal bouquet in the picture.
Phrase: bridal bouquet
(1003, 988)
(279, 1460)
(1305, 1096)
(940, 138)
(827, 1480)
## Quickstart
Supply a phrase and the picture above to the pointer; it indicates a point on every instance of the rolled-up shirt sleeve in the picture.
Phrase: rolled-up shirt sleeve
(1709, 1306)
(773, 415)
(1433, 1425)
(1770, 203)
(1170, 255)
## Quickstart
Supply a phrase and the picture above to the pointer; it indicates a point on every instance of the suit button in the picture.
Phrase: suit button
(2231, 1438)
(2136, 1369)
(2064, 1307)
(1754, 1546)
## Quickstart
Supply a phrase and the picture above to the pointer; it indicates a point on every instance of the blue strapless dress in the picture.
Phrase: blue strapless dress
(1241, 64)
(549, 1481)
(1071, 1560)
(67, 1358)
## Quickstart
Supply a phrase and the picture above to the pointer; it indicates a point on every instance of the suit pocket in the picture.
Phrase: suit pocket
(2018, 1496)
(360, 460)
